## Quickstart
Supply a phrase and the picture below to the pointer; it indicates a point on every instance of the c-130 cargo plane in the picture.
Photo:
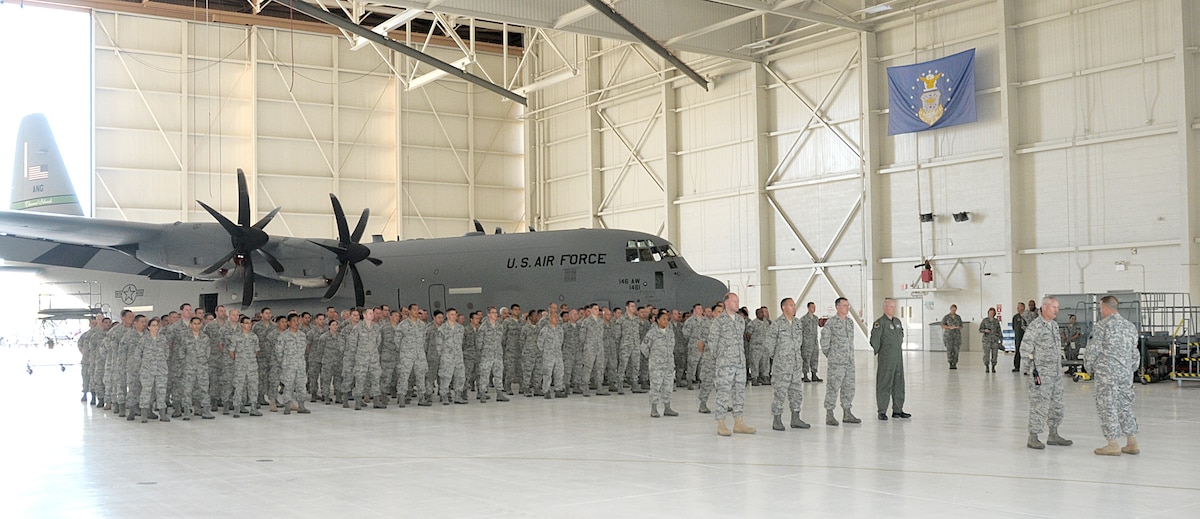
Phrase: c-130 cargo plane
(246, 264)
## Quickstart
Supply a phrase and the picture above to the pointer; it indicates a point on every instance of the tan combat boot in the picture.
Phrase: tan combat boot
(722, 430)
(1131, 446)
(740, 427)
(1112, 449)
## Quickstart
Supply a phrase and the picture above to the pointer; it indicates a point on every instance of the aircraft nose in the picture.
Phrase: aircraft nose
(700, 289)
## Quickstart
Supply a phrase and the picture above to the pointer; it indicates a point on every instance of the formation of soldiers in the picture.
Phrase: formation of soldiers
(187, 364)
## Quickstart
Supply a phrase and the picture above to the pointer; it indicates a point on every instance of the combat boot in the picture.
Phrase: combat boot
(240, 411)
(227, 408)
(740, 427)
(163, 416)
(100, 402)
(108, 406)
(146, 414)
(186, 413)
(815, 378)
(121, 410)
(1112, 449)
(1055, 439)
(358, 404)
(667, 411)
(178, 411)
(778, 423)
(766, 381)
(548, 396)
(426, 400)
(691, 386)
(207, 415)
(1034, 442)
(755, 382)
(304, 410)
(654, 411)
(287, 409)
(805, 379)
(501, 398)
(460, 399)
(1131, 446)
(722, 430)
(797, 423)
(849, 417)
(829, 419)
(131, 414)
(704, 408)
(254, 410)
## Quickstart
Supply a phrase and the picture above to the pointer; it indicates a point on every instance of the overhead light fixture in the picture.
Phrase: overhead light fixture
(387, 26)
(878, 8)
(926, 217)
(430, 77)
(961, 217)
(552, 79)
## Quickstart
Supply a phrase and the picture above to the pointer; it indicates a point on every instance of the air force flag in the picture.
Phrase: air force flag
(933, 94)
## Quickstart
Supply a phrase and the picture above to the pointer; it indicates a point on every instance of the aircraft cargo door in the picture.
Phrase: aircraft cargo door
(437, 298)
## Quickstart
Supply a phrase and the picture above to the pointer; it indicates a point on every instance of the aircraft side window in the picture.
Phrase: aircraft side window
(631, 254)
(646, 255)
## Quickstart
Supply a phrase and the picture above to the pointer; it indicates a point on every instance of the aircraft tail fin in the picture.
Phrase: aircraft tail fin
(40, 182)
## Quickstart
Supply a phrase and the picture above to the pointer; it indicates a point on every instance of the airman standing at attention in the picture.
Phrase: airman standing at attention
(114, 371)
(887, 339)
(292, 372)
(471, 350)
(992, 336)
(131, 343)
(491, 356)
(592, 373)
(315, 357)
(784, 342)
(243, 347)
(154, 373)
(628, 359)
(512, 347)
(452, 373)
(349, 355)
(708, 359)
(550, 340)
(725, 338)
(952, 335)
(612, 347)
(572, 351)
(266, 350)
(195, 379)
(659, 346)
(433, 359)
(692, 329)
(366, 361)
(530, 356)
(331, 363)
(810, 351)
(760, 361)
(681, 345)
(99, 359)
(389, 354)
(837, 342)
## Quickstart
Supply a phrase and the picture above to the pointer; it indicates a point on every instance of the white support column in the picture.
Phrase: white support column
(767, 290)
(397, 61)
(252, 174)
(1012, 212)
(1189, 164)
(670, 138)
(595, 158)
(185, 148)
(873, 271)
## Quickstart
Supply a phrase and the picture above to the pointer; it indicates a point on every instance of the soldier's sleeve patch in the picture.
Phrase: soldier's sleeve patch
(877, 324)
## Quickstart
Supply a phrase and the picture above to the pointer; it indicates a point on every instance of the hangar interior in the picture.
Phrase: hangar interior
(777, 176)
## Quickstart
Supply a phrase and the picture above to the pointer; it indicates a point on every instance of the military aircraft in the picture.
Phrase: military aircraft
(470, 272)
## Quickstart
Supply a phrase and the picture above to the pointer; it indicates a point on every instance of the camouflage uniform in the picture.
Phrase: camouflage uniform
(708, 363)
(220, 385)
(992, 335)
(512, 350)
(1112, 357)
(389, 356)
(114, 372)
(175, 367)
(952, 339)
(572, 355)
(314, 359)
(491, 356)
(725, 337)
(349, 350)
(887, 339)
(131, 343)
(84, 343)
(470, 355)
(331, 364)
(531, 359)
(658, 346)
(760, 359)
(195, 378)
(681, 345)
(550, 343)
(99, 361)
(1018, 324)
(643, 366)
(245, 368)
(432, 358)
(591, 372)
(452, 373)
(810, 351)
(1043, 346)
(785, 341)
(154, 372)
(411, 338)
(837, 343)
(693, 329)
(266, 352)
(628, 357)
(612, 352)
(290, 352)
(366, 360)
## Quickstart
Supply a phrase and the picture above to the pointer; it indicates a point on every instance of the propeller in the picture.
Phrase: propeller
(246, 239)
(349, 252)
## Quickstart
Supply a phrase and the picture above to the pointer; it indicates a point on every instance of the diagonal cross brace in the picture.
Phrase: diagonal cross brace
(646, 40)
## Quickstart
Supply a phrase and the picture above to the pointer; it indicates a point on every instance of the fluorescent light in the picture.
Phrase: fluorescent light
(382, 29)
(555, 78)
(430, 77)
(878, 8)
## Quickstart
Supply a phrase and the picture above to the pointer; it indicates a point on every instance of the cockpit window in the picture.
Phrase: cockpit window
(647, 250)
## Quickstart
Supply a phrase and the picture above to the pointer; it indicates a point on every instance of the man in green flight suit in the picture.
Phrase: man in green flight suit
(887, 337)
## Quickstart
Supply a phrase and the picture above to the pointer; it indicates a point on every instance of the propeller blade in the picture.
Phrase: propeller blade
(337, 281)
(336, 250)
(360, 296)
(271, 259)
(243, 200)
(218, 264)
(478, 226)
(340, 216)
(375, 261)
(362, 226)
(229, 226)
(267, 219)
(247, 282)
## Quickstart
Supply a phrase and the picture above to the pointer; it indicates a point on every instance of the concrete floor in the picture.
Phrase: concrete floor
(962, 454)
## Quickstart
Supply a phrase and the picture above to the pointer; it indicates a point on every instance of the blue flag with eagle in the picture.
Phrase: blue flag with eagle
(930, 95)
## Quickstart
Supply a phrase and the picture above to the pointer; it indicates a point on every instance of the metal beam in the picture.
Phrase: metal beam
(632, 29)
(318, 13)
(784, 9)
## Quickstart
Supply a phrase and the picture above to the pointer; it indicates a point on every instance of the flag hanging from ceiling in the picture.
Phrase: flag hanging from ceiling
(930, 95)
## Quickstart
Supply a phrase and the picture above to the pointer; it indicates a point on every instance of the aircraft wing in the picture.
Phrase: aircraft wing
(76, 230)
(45, 252)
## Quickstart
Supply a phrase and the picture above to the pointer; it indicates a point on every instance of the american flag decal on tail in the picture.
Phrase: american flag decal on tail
(39, 172)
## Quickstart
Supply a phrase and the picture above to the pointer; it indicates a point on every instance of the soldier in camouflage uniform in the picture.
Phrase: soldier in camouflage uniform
(293, 372)
(471, 350)
(659, 346)
(114, 372)
(491, 356)
(332, 343)
(612, 346)
(315, 357)
(451, 373)
(195, 347)
(681, 345)
(992, 336)
(366, 360)
(410, 335)
(99, 360)
(154, 373)
(349, 345)
(550, 345)
(175, 329)
(784, 341)
(1043, 351)
(692, 329)
(131, 343)
(725, 341)
(760, 361)
(952, 336)
(837, 343)
(1018, 324)
(432, 357)
(572, 352)
(592, 333)
(220, 384)
(810, 351)
(628, 358)
(708, 362)
(243, 347)
(512, 347)
(266, 351)
(1112, 358)
(531, 361)
(84, 343)
(389, 354)
(887, 339)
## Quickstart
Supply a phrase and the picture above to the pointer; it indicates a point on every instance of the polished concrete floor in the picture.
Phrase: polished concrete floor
(962, 454)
